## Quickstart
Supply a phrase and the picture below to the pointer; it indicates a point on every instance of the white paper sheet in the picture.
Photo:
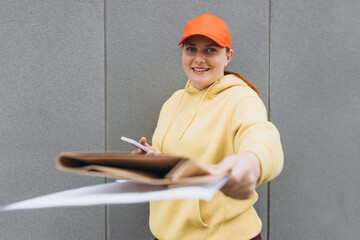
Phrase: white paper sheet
(119, 192)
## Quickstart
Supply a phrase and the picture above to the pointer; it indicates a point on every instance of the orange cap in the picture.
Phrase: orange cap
(209, 26)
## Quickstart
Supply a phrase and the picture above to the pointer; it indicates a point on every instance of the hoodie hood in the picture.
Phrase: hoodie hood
(217, 87)
(214, 89)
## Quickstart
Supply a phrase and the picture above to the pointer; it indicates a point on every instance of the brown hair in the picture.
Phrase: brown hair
(252, 86)
(244, 79)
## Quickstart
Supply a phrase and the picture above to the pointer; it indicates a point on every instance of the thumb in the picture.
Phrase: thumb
(143, 142)
(226, 165)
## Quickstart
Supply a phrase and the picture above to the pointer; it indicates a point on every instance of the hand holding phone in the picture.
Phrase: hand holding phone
(135, 144)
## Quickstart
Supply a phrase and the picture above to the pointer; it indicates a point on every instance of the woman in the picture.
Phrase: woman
(217, 119)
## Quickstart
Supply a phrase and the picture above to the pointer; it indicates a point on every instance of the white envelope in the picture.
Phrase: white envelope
(119, 192)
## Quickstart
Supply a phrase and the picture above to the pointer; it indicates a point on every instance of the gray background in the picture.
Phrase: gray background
(77, 75)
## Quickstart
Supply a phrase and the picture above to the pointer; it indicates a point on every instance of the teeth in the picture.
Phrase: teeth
(201, 69)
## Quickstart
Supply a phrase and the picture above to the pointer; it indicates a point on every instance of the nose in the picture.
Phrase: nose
(199, 58)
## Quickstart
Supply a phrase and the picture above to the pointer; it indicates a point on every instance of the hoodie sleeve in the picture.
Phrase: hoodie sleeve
(252, 132)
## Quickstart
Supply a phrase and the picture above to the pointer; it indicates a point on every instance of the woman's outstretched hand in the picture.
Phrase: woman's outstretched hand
(144, 143)
(244, 170)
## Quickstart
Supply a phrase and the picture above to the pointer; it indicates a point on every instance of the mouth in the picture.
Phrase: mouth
(200, 70)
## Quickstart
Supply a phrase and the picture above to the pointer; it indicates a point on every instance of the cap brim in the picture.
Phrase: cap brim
(219, 42)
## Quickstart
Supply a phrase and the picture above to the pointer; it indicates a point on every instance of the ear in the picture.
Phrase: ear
(229, 56)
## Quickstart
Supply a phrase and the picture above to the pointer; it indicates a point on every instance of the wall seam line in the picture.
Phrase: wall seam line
(268, 225)
(106, 208)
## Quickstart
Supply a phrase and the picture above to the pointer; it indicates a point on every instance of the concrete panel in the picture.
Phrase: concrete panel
(315, 100)
(144, 69)
(52, 100)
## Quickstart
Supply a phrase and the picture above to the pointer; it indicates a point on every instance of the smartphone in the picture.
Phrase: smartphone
(135, 144)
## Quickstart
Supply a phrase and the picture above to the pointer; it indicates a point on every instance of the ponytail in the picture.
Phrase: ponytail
(246, 81)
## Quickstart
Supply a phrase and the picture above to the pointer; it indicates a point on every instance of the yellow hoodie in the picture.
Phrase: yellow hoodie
(207, 125)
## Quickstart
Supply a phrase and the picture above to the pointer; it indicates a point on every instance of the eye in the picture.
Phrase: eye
(191, 49)
(211, 50)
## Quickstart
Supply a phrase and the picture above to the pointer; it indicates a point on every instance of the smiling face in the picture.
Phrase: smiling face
(204, 60)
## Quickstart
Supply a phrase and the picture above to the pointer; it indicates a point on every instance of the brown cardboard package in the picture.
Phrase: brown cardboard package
(155, 170)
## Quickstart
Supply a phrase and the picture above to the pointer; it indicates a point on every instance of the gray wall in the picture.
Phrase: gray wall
(315, 101)
(52, 100)
(77, 75)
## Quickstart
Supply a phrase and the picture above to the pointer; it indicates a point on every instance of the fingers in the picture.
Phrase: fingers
(238, 190)
(152, 153)
(143, 142)
(139, 150)
(136, 151)
(242, 181)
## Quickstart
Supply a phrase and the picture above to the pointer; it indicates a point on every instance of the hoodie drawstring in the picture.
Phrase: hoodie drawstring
(191, 119)
(172, 119)
(196, 111)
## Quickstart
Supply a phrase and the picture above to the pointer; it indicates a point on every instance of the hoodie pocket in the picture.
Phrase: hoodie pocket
(198, 217)
(211, 213)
